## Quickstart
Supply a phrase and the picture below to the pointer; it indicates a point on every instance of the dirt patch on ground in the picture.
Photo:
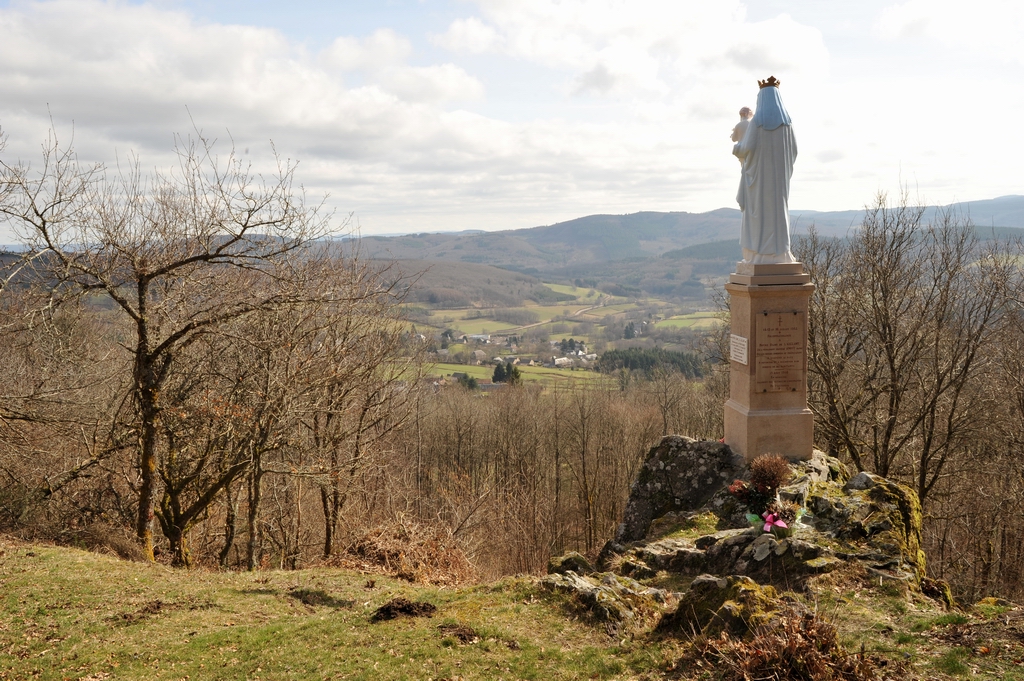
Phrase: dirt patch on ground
(145, 612)
(403, 607)
(318, 597)
(460, 632)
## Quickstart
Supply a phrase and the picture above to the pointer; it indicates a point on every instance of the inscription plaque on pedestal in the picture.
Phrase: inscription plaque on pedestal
(779, 353)
(737, 349)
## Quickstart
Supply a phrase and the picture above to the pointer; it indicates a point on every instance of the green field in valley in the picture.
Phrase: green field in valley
(478, 326)
(551, 311)
(695, 320)
(599, 313)
(584, 295)
(544, 375)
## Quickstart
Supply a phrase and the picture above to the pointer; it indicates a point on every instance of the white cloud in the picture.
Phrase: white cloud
(644, 48)
(469, 35)
(383, 48)
(989, 26)
(129, 76)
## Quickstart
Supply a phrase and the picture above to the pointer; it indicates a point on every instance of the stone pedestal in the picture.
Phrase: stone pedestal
(767, 409)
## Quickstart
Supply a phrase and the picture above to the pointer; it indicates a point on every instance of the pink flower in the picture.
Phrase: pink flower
(773, 520)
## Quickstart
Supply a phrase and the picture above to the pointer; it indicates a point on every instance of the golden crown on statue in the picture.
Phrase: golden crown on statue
(770, 82)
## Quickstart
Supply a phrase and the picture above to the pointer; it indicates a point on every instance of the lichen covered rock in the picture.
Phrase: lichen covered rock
(734, 603)
(679, 474)
(620, 602)
(879, 519)
(571, 561)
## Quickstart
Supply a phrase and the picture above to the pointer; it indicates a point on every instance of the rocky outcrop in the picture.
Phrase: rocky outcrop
(679, 474)
(867, 518)
(619, 602)
(681, 522)
(570, 562)
(713, 604)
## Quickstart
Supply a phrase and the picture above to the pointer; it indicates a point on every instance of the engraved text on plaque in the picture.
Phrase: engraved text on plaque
(779, 353)
(737, 349)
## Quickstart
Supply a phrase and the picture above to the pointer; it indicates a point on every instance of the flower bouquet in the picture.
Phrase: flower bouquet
(780, 518)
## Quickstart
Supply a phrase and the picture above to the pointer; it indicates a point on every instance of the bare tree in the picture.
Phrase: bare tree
(899, 320)
(157, 247)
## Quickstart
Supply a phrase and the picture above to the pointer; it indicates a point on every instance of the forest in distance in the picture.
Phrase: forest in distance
(194, 374)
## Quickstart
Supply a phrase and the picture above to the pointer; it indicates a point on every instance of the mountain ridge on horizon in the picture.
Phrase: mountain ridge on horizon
(645, 234)
(1013, 211)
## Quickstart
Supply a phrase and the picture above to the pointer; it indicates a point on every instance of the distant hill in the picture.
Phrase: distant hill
(443, 285)
(1004, 211)
(592, 239)
(606, 238)
(727, 249)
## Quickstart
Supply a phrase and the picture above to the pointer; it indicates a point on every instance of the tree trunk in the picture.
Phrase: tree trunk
(177, 537)
(229, 529)
(147, 396)
(255, 497)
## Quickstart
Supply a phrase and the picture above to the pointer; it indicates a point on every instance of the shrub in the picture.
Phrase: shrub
(408, 550)
(769, 472)
(796, 645)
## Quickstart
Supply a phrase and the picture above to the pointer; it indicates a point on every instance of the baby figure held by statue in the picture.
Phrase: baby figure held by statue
(741, 128)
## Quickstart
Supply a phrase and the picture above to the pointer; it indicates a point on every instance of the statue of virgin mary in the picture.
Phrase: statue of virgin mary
(767, 152)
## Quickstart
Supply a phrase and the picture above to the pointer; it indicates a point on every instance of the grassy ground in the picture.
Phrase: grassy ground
(586, 338)
(69, 614)
(911, 630)
(475, 326)
(551, 311)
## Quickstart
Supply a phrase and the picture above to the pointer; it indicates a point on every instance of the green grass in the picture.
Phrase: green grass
(546, 312)
(66, 613)
(72, 614)
(940, 621)
(575, 336)
(442, 369)
(952, 662)
(676, 323)
(608, 310)
(475, 321)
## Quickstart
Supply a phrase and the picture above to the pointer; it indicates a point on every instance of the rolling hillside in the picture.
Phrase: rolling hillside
(566, 246)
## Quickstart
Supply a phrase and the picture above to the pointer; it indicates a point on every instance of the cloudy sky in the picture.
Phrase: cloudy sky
(426, 115)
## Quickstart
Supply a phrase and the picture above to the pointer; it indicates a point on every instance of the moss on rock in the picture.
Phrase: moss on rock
(570, 561)
(897, 522)
(620, 602)
(735, 604)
